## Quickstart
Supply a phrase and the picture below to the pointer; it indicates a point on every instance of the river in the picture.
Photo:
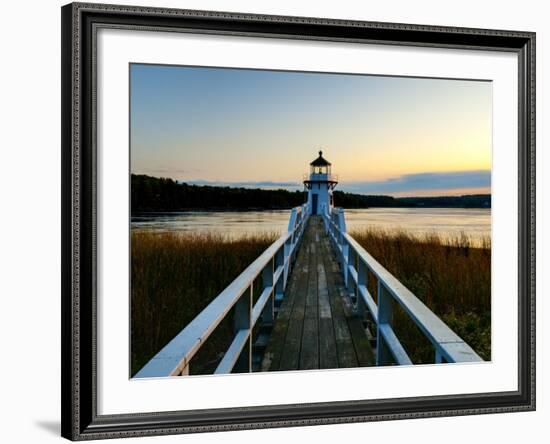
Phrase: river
(446, 222)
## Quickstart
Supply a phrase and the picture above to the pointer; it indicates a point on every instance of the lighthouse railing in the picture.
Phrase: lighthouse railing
(358, 267)
(320, 177)
(272, 268)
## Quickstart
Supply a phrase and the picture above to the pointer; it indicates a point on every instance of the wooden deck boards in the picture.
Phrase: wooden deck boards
(316, 327)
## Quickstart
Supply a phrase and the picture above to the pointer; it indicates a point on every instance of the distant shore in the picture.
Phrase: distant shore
(161, 195)
(244, 210)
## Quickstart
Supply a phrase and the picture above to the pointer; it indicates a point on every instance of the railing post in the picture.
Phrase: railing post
(292, 223)
(284, 254)
(350, 284)
(242, 321)
(280, 259)
(341, 221)
(362, 280)
(267, 281)
(345, 257)
(385, 316)
(292, 220)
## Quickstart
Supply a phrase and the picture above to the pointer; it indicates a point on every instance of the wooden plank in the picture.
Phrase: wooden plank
(361, 344)
(316, 326)
(327, 343)
(309, 353)
(272, 356)
(273, 352)
(363, 349)
(290, 356)
(344, 344)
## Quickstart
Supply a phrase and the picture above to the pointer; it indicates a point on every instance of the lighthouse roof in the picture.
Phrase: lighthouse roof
(320, 161)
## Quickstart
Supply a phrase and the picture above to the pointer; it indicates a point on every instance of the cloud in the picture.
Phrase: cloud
(247, 184)
(421, 182)
(169, 171)
(464, 182)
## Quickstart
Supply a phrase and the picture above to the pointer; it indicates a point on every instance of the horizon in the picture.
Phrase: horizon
(394, 136)
(276, 188)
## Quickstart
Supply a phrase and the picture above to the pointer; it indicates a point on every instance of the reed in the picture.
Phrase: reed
(451, 275)
(175, 276)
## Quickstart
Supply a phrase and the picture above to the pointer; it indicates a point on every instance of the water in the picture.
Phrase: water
(231, 223)
(446, 222)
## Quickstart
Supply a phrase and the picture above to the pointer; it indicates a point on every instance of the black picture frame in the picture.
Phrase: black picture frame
(78, 333)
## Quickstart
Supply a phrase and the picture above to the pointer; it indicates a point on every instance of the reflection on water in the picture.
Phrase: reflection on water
(447, 222)
(231, 223)
(475, 223)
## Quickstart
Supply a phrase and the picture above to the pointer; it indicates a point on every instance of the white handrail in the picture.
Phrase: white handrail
(273, 266)
(356, 263)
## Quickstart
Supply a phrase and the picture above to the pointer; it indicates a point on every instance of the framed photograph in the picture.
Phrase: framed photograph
(276, 221)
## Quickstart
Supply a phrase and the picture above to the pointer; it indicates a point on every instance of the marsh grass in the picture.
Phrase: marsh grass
(174, 277)
(451, 275)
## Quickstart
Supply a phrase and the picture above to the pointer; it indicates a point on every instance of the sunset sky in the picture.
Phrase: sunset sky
(384, 135)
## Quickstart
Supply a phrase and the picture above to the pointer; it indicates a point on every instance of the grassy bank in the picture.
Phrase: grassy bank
(174, 276)
(452, 276)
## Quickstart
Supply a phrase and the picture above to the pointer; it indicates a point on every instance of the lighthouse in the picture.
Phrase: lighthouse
(319, 185)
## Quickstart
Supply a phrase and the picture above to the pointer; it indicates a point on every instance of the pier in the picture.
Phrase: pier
(317, 326)
(305, 303)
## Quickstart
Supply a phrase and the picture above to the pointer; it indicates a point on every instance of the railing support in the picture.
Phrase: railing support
(296, 217)
(267, 281)
(280, 261)
(351, 265)
(284, 258)
(385, 316)
(362, 280)
(345, 260)
(242, 321)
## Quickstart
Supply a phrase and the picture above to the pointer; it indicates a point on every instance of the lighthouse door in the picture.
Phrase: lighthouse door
(314, 199)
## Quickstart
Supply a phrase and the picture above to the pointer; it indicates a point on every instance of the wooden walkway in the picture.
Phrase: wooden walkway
(316, 327)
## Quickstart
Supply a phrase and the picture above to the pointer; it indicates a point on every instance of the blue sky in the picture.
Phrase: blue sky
(384, 135)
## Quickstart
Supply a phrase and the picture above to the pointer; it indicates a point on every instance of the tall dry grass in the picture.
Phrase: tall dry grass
(451, 275)
(173, 277)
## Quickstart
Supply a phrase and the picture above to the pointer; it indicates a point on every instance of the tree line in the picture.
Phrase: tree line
(164, 194)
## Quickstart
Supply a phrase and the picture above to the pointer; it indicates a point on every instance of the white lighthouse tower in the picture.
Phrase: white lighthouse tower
(319, 183)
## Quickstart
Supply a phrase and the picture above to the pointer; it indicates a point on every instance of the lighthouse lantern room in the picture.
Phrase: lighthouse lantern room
(319, 184)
